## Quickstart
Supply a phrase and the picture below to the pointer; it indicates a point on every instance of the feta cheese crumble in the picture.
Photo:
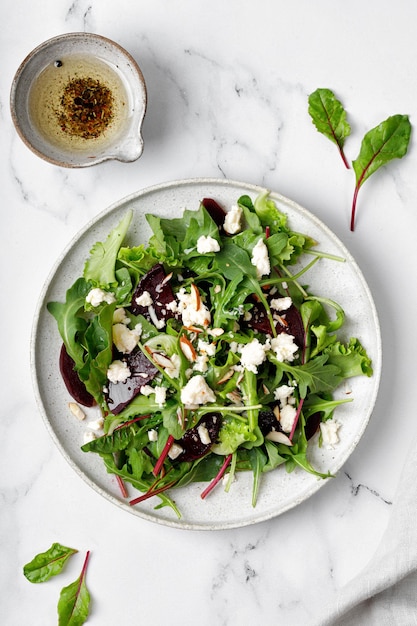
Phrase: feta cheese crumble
(125, 339)
(281, 304)
(160, 395)
(329, 432)
(232, 221)
(283, 393)
(252, 355)
(284, 347)
(153, 434)
(118, 372)
(190, 312)
(174, 451)
(207, 244)
(96, 296)
(144, 299)
(260, 259)
(286, 417)
(197, 391)
(204, 435)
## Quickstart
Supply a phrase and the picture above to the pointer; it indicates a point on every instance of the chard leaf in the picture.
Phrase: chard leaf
(47, 564)
(329, 117)
(387, 141)
(100, 267)
(74, 601)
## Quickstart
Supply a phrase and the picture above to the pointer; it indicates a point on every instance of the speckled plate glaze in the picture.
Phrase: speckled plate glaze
(126, 144)
(280, 491)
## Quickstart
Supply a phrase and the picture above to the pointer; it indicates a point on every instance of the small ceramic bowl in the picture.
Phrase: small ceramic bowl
(79, 99)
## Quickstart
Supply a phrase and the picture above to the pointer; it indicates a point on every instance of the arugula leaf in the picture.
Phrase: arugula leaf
(389, 140)
(74, 600)
(69, 318)
(100, 267)
(329, 117)
(258, 459)
(314, 376)
(47, 564)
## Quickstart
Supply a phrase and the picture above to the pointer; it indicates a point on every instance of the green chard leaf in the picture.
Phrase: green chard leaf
(329, 117)
(387, 141)
(74, 600)
(47, 564)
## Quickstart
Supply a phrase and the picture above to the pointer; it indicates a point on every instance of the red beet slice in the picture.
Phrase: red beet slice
(159, 288)
(118, 395)
(216, 212)
(292, 323)
(190, 442)
(74, 385)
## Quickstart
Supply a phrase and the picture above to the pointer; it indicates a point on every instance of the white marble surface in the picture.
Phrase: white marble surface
(228, 84)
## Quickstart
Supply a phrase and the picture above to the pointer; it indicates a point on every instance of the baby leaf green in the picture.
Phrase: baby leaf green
(389, 140)
(329, 117)
(47, 564)
(74, 601)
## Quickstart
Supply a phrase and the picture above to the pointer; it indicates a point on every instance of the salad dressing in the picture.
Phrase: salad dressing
(79, 102)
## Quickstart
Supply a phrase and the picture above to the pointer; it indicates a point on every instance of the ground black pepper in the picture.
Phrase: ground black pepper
(86, 108)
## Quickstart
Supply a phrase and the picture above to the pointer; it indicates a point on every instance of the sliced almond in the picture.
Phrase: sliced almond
(226, 376)
(279, 437)
(161, 360)
(188, 349)
(196, 297)
(76, 410)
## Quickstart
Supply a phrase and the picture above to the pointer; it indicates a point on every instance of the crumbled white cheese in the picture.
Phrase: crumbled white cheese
(283, 394)
(120, 317)
(284, 347)
(153, 435)
(204, 435)
(96, 296)
(125, 339)
(200, 363)
(118, 372)
(207, 244)
(197, 391)
(174, 451)
(252, 355)
(76, 410)
(232, 222)
(88, 436)
(146, 390)
(329, 432)
(172, 306)
(260, 259)
(96, 424)
(281, 304)
(286, 417)
(206, 348)
(191, 314)
(144, 299)
(160, 395)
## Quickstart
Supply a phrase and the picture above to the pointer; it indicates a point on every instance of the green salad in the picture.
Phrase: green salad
(204, 350)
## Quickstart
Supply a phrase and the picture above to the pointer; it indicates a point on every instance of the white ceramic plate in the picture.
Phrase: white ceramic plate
(280, 491)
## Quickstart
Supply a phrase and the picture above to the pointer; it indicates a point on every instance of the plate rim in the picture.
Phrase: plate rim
(159, 187)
